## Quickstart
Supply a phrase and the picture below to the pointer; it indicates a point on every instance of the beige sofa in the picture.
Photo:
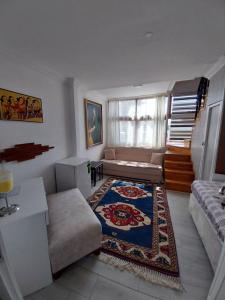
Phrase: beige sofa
(134, 163)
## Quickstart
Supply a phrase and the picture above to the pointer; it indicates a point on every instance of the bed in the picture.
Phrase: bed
(209, 217)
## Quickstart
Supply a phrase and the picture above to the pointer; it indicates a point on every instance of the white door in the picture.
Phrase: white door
(211, 141)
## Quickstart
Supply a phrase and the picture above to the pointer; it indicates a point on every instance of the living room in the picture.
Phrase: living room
(112, 130)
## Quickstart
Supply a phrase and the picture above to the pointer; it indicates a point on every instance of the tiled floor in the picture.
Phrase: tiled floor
(94, 280)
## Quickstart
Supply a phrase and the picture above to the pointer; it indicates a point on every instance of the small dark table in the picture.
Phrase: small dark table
(96, 169)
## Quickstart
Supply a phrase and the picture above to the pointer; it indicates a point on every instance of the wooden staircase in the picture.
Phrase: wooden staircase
(178, 169)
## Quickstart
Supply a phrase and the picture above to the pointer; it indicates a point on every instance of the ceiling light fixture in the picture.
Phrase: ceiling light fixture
(148, 35)
(137, 85)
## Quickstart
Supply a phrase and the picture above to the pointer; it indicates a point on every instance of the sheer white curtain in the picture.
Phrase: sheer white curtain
(139, 122)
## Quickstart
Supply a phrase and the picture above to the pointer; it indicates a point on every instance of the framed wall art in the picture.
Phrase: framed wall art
(19, 107)
(93, 122)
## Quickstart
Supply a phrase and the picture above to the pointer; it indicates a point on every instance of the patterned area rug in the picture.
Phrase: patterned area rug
(137, 230)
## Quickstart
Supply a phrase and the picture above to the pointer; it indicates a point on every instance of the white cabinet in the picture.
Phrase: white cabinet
(24, 238)
(9, 289)
(74, 172)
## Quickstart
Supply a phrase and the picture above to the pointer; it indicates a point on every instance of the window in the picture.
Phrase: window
(137, 122)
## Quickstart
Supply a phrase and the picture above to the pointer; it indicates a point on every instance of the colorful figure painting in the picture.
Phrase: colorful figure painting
(19, 107)
(93, 117)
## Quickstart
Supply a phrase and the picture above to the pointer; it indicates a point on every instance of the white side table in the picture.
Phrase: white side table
(74, 172)
(24, 237)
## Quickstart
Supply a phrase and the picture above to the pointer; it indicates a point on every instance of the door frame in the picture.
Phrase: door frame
(205, 140)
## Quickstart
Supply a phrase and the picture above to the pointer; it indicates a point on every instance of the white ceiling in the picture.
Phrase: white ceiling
(145, 89)
(102, 43)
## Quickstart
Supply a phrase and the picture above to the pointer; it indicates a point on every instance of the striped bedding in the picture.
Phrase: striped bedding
(205, 192)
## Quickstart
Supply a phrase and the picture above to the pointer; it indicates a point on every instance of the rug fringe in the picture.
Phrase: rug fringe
(142, 272)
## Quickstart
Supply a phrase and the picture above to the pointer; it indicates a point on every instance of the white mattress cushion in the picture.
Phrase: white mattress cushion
(205, 192)
(74, 231)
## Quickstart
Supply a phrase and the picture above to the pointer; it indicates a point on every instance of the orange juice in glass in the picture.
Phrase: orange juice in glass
(6, 185)
(6, 181)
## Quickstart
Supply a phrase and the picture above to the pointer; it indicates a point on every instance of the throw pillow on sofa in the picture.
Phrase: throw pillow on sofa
(110, 154)
(156, 158)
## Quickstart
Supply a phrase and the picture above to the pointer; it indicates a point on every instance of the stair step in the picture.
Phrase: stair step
(183, 175)
(181, 186)
(179, 145)
(178, 149)
(178, 165)
(177, 156)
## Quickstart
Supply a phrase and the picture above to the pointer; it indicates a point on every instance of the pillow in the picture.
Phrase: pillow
(110, 154)
(157, 158)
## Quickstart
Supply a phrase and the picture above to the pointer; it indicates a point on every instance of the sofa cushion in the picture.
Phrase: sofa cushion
(157, 158)
(133, 154)
(110, 154)
(137, 167)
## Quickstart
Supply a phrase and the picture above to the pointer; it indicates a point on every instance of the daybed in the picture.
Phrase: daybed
(209, 217)
(74, 231)
(140, 163)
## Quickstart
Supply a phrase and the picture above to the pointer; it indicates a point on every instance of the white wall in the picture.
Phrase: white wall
(131, 91)
(55, 131)
(64, 119)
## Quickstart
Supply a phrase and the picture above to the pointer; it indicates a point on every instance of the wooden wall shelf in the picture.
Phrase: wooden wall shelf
(23, 152)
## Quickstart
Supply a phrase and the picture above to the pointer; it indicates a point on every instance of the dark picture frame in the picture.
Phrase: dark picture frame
(15, 106)
(93, 123)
